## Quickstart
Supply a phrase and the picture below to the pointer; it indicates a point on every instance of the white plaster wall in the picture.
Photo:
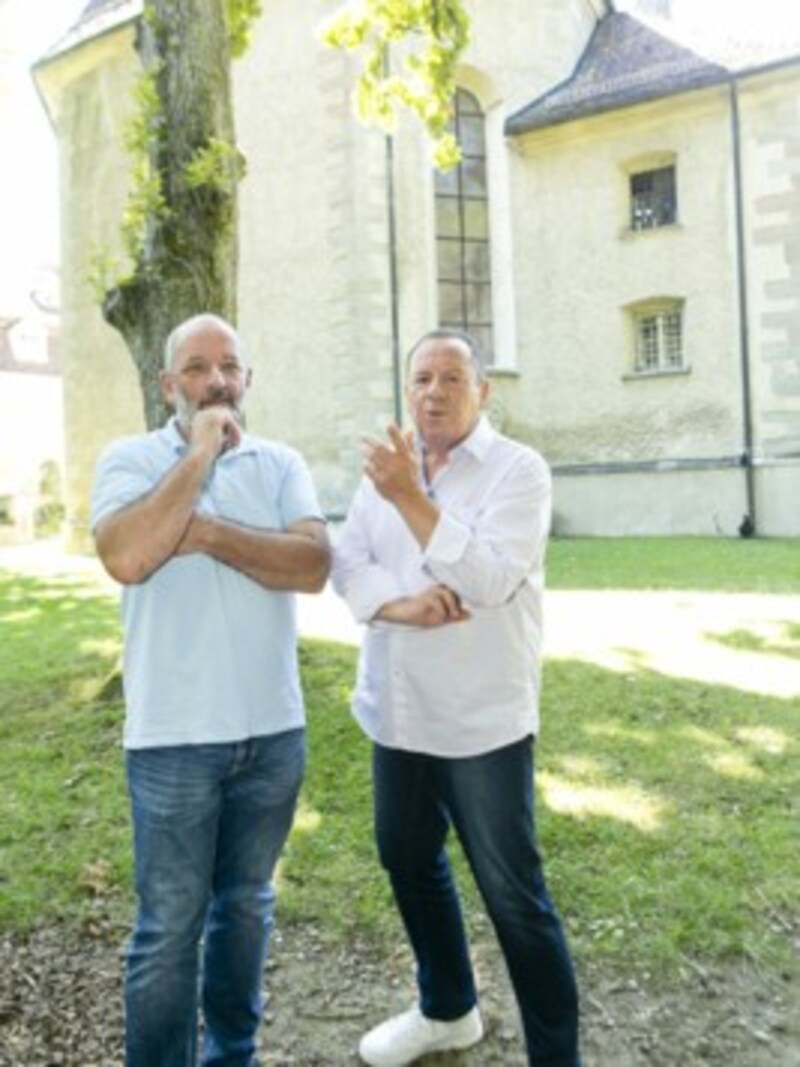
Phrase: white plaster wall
(521, 49)
(314, 249)
(701, 503)
(91, 87)
(577, 266)
(770, 124)
(778, 498)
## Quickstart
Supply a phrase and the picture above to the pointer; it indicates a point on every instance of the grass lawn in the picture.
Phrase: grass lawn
(770, 565)
(664, 805)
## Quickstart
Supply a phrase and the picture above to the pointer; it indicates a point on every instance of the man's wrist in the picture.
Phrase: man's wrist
(201, 454)
(392, 610)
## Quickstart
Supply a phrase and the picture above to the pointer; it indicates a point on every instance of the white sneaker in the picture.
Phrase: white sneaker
(404, 1038)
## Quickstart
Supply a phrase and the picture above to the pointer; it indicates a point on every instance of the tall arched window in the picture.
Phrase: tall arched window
(462, 230)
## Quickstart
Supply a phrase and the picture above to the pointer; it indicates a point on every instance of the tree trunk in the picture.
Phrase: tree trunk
(187, 263)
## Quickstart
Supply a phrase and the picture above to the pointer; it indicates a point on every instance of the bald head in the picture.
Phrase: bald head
(194, 325)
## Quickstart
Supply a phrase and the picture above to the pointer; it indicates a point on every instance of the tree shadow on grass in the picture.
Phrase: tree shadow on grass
(55, 631)
(783, 641)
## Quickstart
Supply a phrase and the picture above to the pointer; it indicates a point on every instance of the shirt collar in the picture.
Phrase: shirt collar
(480, 440)
(477, 443)
(173, 436)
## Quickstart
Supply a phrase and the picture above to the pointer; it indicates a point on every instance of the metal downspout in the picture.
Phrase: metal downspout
(397, 385)
(749, 526)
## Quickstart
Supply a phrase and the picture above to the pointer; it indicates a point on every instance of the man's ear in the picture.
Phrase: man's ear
(485, 389)
(167, 382)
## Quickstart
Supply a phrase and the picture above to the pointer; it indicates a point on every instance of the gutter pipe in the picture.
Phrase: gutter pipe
(394, 301)
(749, 524)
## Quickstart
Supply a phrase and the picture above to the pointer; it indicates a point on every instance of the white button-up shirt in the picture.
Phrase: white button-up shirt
(462, 688)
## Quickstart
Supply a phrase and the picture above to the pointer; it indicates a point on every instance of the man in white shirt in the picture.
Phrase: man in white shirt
(210, 531)
(442, 556)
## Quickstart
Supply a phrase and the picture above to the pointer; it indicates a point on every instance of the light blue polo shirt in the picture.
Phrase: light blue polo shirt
(210, 655)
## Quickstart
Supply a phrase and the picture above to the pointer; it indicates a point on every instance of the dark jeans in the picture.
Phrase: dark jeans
(489, 801)
(209, 823)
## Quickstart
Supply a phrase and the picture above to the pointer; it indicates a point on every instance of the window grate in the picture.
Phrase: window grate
(653, 198)
(462, 230)
(659, 340)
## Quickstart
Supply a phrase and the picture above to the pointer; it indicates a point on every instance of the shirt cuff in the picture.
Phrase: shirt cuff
(365, 601)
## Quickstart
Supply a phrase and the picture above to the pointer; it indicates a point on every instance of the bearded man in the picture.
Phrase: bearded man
(210, 531)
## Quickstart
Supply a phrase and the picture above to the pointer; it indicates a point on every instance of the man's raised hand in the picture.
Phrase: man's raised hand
(392, 466)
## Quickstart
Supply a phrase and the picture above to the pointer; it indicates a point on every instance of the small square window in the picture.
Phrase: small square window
(653, 198)
(658, 339)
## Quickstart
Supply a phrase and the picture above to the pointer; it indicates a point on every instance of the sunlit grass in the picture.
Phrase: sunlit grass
(627, 804)
(698, 563)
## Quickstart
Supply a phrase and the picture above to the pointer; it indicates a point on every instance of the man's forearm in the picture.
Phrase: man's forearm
(136, 541)
(419, 513)
(296, 559)
(435, 606)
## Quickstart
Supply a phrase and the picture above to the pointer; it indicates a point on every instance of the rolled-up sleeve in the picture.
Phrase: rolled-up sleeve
(357, 576)
(487, 555)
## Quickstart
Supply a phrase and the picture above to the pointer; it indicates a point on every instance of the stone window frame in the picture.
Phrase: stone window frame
(656, 209)
(657, 338)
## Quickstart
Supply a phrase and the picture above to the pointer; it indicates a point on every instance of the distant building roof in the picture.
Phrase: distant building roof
(628, 61)
(97, 5)
(97, 17)
(625, 62)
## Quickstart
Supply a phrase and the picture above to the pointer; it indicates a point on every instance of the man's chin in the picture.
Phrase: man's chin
(228, 405)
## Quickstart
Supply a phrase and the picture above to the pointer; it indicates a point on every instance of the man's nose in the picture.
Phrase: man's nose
(217, 380)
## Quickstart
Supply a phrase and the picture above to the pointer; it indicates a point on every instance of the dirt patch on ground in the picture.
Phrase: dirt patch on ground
(60, 1004)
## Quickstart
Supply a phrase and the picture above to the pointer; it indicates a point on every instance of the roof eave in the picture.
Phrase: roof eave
(517, 124)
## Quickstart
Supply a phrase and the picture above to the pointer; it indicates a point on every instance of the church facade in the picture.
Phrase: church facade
(623, 234)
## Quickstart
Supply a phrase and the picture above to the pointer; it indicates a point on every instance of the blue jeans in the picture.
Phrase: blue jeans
(488, 799)
(209, 822)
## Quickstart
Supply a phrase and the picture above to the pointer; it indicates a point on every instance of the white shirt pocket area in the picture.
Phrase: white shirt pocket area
(453, 690)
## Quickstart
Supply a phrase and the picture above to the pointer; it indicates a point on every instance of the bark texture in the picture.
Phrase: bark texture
(187, 262)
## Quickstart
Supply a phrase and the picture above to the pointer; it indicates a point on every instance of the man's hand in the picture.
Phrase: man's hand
(393, 466)
(214, 430)
(436, 606)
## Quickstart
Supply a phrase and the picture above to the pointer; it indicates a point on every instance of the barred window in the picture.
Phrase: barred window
(462, 230)
(658, 338)
(653, 198)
